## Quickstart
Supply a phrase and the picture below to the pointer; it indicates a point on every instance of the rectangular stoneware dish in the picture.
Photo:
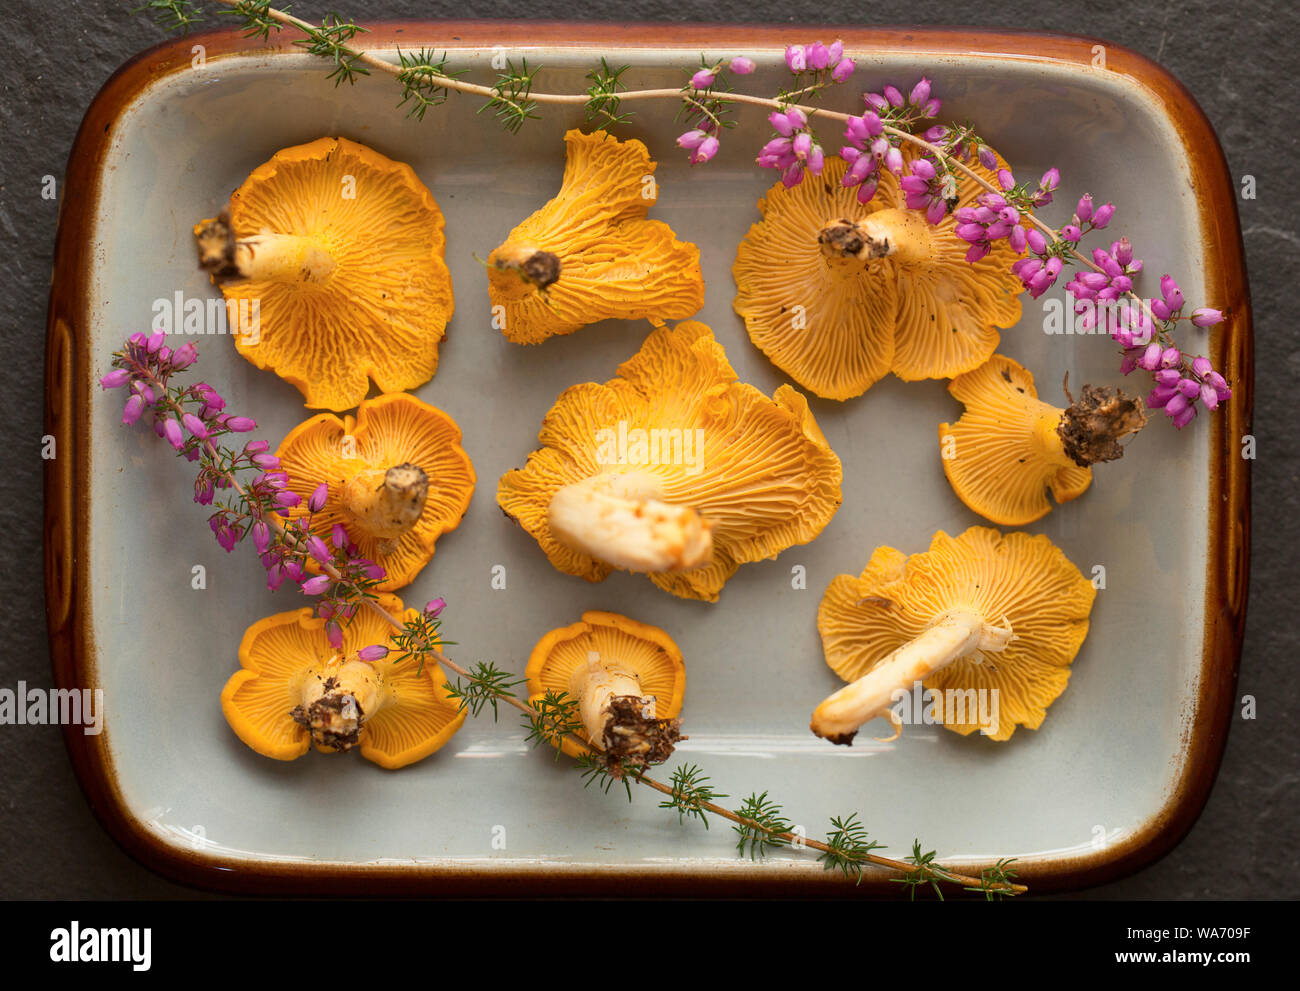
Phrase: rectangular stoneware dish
(1115, 776)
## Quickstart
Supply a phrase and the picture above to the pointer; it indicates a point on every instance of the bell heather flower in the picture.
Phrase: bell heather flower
(742, 66)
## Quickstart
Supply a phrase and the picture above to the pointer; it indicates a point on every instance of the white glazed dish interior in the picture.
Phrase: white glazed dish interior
(1110, 751)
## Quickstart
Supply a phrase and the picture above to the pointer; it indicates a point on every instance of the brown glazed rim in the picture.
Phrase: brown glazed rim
(70, 389)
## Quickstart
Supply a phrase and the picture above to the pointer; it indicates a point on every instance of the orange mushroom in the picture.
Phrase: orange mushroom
(837, 293)
(675, 469)
(398, 479)
(341, 251)
(1009, 448)
(590, 253)
(294, 690)
(988, 622)
(628, 678)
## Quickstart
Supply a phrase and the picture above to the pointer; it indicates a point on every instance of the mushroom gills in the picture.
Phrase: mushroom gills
(618, 518)
(956, 633)
(617, 716)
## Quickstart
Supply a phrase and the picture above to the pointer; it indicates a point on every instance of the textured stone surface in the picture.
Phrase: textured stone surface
(1240, 65)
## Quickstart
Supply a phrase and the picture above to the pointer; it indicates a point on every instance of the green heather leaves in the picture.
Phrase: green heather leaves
(691, 792)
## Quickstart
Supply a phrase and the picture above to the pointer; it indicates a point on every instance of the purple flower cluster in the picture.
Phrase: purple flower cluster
(189, 419)
(998, 216)
(1179, 383)
(818, 58)
(1097, 293)
(794, 150)
(870, 149)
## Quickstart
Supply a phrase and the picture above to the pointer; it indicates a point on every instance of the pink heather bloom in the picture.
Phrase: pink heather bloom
(318, 549)
(154, 342)
(317, 500)
(287, 499)
(1005, 179)
(692, 139)
(1206, 317)
(796, 58)
(707, 149)
(920, 93)
(261, 536)
(702, 79)
(316, 586)
(115, 378)
(433, 609)
(987, 157)
(1084, 210)
(339, 536)
(334, 633)
(843, 69)
(742, 66)
(131, 412)
(172, 433)
(256, 447)
(1101, 216)
(241, 424)
(818, 56)
(894, 97)
(195, 426)
(375, 652)
(184, 356)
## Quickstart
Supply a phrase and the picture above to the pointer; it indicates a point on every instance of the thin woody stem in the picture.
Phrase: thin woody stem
(448, 82)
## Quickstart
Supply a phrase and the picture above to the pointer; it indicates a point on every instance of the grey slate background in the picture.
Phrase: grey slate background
(1237, 59)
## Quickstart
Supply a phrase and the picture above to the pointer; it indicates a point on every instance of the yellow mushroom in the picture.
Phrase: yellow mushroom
(627, 677)
(989, 622)
(398, 479)
(675, 469)
(340, 251)
(294, 691)
(1009, 448)
(590, 253)
(837, 293)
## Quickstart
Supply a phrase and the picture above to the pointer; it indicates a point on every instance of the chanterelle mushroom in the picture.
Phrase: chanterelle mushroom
(837, 293)
(592, 250)
(342, 249)
(674, 468)
(1009, 447)
(294, 690)
(989, 622)
(398, 479)
(627, 677)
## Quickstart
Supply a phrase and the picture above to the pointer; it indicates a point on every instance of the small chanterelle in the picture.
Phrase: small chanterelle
(627, 678)
(295, 690)
(988, 621)
(397, 478)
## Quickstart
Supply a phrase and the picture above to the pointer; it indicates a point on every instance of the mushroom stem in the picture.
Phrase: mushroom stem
(1090, 429)
(617, 716)
(524, 266)
(266, 257)
(618, 518)
(386, 502)
(337, 699)
(899, 234)
(955, 634)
